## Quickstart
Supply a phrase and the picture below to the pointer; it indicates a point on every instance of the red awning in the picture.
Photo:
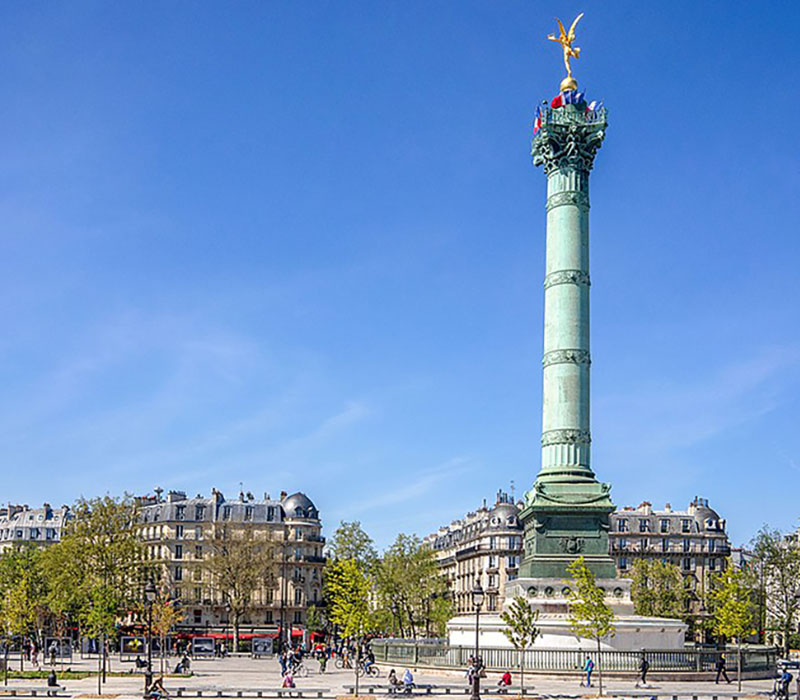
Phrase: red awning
(243, 635)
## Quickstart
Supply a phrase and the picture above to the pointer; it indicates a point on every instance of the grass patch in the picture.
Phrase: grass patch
(68, 674)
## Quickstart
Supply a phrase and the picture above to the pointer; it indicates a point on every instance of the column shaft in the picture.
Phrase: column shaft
(565, 402)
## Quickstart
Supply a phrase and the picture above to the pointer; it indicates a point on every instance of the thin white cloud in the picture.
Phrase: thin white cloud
(666, 416)
(411, 489)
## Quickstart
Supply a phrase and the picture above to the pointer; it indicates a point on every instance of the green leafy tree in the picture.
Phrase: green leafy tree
(589, 615)
(99, 551)
(410, 588)
(349, 590)
(351, 543)
(658, 589)
(68, 586)
(98, 564)
(315, 619)
(733, 597)
(521, 630)
(240, 562)
(166, 614)
(23, 593)
(99, 620)
(777, 565)
(19, 612)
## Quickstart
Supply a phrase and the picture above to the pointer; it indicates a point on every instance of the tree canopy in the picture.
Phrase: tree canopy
(658, 589)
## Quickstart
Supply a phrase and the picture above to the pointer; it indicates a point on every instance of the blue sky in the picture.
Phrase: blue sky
(299, 245)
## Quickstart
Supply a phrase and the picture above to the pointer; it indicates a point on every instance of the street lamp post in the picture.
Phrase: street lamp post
(149, 599)
(477, 602)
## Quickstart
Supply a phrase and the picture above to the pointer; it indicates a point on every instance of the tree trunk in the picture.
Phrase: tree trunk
(99, 669)
(739, 664)
(599, 667)
(356, 664)
(522, 671)
(787, 631)
(236, 632)
(412, 626)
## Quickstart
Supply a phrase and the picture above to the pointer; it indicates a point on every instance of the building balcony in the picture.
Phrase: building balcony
(314, 559)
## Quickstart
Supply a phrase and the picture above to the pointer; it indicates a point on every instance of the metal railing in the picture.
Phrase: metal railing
(690, 659)
(572, 114)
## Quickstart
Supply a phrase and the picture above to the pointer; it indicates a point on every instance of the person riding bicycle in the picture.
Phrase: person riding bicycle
(783, 683)
(157, 691)
(369, 660)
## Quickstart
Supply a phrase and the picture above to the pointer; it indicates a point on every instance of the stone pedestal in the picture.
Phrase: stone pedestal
(549, 596)
(633, 633)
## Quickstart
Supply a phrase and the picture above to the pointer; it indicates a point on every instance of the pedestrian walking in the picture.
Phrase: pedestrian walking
(721, 669)
(282, 662)
(588, 667)
(644, 667)
(322, 657)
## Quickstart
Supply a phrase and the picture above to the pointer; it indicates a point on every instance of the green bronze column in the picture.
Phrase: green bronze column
(566, 512)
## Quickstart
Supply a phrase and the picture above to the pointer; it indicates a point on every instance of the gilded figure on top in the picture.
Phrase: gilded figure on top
(566, 39)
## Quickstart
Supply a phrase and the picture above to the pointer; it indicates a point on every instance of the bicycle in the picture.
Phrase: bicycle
(300, 670)
(780, 690)
(371, 670)
(343, 662)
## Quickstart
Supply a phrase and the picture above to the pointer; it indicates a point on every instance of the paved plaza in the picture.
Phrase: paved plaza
(247, 673)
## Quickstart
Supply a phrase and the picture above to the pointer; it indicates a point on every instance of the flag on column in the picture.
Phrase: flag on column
(568, 97)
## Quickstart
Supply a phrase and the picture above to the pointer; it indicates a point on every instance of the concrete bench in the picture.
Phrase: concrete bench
(50, 691)
(215, 692)
(416, 689)
(428, 689)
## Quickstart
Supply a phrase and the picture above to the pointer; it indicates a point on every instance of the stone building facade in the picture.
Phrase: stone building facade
(485, 544)
(22, 526)
(177, 530)
(694, 540)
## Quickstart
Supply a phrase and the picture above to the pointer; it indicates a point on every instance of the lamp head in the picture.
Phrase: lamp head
(477, 594)
(150, 592)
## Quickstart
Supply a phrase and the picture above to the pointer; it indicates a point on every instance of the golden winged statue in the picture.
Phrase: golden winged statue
(565, 39)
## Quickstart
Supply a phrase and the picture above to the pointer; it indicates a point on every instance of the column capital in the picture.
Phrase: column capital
(569, 138)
